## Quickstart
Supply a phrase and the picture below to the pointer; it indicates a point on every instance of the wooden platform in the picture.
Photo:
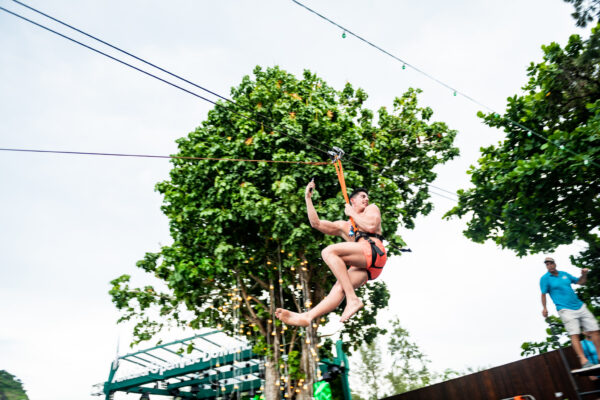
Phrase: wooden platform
(544, 377)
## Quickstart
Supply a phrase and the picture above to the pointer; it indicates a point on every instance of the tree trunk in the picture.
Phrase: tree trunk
(271, 389)
(272, 375)
(309, 360)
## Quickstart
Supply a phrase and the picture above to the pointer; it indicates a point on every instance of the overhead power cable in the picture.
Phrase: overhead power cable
(122, 51)
(164, 80)
(85, 153)
(440, 82)
(128, 53)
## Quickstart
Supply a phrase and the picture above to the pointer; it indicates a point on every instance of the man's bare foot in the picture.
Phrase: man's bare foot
(292, 318)
(352, 307)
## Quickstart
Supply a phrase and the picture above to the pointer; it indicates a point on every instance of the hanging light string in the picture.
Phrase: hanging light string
(283, 326)
(438, 81)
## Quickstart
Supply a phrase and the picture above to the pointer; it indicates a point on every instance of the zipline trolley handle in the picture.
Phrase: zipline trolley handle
(335, 153)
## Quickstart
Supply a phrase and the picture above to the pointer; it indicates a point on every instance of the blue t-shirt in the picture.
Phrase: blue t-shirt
(559, 288)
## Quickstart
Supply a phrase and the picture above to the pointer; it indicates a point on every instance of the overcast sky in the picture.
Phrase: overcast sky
(70, 224)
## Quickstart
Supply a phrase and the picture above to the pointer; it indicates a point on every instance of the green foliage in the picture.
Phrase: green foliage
(584, 11)
(242, 244)
(408, 369)
(590, 258)
(11, 388)
(370, 370)
(376, 297)
(531, 195)
(409, 365)
(404, 370)
(405, 367)
(557, 338)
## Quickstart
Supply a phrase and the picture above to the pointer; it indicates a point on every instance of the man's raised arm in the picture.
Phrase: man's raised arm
(327, 227)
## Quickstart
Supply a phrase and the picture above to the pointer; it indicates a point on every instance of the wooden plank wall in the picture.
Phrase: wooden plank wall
(541, 376)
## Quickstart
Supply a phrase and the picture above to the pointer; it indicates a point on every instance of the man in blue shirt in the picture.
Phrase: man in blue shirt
(572, 311)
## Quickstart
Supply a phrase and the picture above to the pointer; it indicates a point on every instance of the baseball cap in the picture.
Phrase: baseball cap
(548, 259)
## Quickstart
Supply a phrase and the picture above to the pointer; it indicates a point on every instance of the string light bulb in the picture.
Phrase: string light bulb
(344, 35)
(403, 66)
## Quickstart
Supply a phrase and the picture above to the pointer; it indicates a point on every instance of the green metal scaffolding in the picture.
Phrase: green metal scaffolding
(203, 367)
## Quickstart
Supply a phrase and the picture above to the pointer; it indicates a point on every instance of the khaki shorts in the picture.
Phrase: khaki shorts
(574, 320)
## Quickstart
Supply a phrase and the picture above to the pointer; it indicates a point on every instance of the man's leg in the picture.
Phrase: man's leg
(358, 277)
(572, 323)
(337, 256)
(576, 342)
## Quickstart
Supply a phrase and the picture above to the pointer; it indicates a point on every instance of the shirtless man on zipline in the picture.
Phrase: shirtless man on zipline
(363, 251)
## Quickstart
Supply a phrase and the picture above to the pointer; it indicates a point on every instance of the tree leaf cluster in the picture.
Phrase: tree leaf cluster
(11, 388)
(586, 11)
(404, 369)
(557, 337)
(532, 194)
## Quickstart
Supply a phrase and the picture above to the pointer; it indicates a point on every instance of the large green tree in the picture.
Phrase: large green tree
(540, 187)
(242, 245)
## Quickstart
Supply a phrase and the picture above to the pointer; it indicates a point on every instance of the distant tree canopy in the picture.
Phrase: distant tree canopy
(11, 387)
(586, 11)
(403, 368)
(242, 244)
(534, 193)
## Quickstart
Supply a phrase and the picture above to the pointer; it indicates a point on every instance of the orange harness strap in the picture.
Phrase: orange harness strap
(340, 174)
